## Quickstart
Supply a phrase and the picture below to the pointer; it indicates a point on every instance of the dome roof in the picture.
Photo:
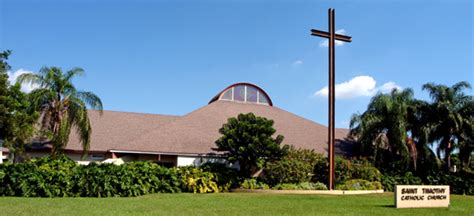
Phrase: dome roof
(243, 93)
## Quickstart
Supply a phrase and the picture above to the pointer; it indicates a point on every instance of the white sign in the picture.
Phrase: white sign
(418, 196)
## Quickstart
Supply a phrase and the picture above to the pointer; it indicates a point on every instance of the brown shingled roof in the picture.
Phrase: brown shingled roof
(196, 132)
(118, 129)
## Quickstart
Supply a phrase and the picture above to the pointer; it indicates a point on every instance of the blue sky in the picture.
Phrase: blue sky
(171, 57)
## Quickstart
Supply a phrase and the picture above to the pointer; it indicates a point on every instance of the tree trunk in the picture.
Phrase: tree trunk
(468, 161)
(438, 153)
(11, 157)
(465, 157)
(447, 156)
(447, 160)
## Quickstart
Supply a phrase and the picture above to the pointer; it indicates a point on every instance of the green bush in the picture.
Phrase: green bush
(129, 179)
(296, 167)
(43, 177)
(226, 177)
(346, 170)
(359, 184)
(286, 186)
(301, 186)
(460, 182)
(389, 181)
(195, 180)
(312, 186)
(252, 184)
(61, 177)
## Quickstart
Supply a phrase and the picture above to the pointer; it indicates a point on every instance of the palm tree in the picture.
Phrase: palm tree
(466, 134)
(452, 119)
(382, 130)
(419, 116)
(61, 106)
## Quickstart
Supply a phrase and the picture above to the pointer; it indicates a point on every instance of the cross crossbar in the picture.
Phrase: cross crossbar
(345, 38)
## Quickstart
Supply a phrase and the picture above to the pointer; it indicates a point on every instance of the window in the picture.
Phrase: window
(262, 98)
(227, 95)
(245, 93)
(239, 93)
(97, 157)
(252, 94)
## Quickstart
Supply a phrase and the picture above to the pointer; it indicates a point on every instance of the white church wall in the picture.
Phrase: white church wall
(187, 161)
(197, 161)
(2, 157)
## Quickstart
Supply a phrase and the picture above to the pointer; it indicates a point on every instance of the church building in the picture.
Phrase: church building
(190, 139)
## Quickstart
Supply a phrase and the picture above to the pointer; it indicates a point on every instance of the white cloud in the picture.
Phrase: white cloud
(388, 86)
(12, 76)
(325, 42)
(359, 86)
(298, 62)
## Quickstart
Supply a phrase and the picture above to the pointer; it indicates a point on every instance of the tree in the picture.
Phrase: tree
(466, 134)
(451, 120)
(419, 116)
(4, 67)
(248, 140)
(16, 116)
(382, 130)
(61, 106)
(21, 121)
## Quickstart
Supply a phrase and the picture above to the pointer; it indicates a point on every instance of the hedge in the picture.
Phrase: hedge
(62, 177)
(301, 186)
(460, 183)
(359, 184)
(346, 170)
(294, 168)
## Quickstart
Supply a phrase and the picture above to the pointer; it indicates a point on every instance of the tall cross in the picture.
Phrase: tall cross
(332, 37)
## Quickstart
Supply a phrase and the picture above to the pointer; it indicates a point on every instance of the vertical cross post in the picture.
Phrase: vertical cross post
(331, 117)
(332, 37)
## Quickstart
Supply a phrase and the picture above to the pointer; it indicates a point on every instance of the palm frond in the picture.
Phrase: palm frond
(30, 78)
(41, 97)
(77, 71)
(79, 119)
(460, 86)
(90, 99)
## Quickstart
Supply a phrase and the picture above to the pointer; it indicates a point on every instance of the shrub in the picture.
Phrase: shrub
(195, 180)
(301, 186)
(286, 186)
(226, 177)
(360, 184)
(296, 167)
(460, 183)
(318, 186)
(389, 181)
(130, 179)
(362, 169)
(253, 184)
(46, 177)
(346, 170)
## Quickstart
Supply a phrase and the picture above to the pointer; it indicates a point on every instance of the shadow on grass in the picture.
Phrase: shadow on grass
(385, 206)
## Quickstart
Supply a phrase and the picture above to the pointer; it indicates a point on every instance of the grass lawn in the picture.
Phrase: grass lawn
(227, 204)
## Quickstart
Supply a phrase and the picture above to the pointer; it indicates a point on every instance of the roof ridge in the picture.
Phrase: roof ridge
(136, 113)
